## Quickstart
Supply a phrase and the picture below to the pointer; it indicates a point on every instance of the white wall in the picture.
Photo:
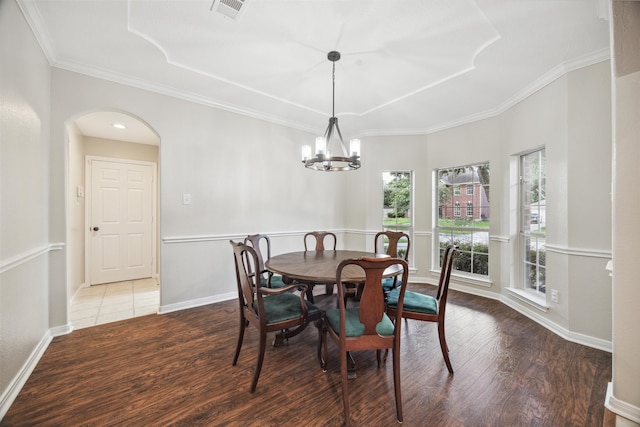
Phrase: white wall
(25, 252)
(238, 171)
(625, 397)
(245, 176)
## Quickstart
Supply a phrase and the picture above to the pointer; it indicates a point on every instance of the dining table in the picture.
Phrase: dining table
(319, 267)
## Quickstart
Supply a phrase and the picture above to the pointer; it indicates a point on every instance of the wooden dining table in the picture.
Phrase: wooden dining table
(319, 267)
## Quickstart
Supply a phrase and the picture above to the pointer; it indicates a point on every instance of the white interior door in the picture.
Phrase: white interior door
(120, 221)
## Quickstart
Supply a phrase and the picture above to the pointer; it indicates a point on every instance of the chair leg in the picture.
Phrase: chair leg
(243, 325)
(256, 374)
(322, 344)
(444, 347)
(396, 381)
(345, 390)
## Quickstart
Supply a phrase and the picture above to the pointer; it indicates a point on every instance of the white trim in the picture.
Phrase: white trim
(34, 20)
(13, 262)
(620, 407)
(61, 330)
(225, 237)
(565, 250)
(164, 309)
(530, 298)
(537, 317)
(501, 239)
(13, 389)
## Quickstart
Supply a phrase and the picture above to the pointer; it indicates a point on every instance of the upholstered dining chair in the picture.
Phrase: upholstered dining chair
(268, 309)
(320, 237)
(418, 306)
(262, 243)
(366, 327)
(393, 240)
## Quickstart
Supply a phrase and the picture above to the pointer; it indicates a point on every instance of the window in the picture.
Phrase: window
(397, 204)
(471, 232)
(533, 221)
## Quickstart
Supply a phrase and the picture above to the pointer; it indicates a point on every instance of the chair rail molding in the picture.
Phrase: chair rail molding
(15, 261)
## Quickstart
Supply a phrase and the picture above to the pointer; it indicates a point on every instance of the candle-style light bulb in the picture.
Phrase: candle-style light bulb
(354, 147)
(321, 145)
(306, 152)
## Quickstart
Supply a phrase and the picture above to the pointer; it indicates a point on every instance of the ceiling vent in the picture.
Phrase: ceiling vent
(230, 8)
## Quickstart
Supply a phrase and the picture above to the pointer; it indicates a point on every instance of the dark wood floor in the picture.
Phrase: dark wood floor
(175, 369)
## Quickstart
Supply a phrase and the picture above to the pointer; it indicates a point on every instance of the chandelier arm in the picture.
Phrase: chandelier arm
(344, 148)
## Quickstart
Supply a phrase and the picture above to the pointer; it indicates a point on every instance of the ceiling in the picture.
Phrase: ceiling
(407, 66)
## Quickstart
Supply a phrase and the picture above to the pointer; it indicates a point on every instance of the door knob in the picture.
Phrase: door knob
(96, 228)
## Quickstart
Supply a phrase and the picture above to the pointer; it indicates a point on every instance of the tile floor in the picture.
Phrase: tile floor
(98, 304)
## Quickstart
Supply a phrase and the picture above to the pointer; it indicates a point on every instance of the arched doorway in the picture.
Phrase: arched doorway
(111, 144)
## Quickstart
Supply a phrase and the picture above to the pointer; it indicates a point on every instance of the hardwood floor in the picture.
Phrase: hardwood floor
(175, 369)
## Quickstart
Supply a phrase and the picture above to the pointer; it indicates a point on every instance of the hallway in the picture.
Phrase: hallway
(95, 305)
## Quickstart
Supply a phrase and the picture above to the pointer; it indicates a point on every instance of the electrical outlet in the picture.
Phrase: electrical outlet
(554, 295)
(186, 199)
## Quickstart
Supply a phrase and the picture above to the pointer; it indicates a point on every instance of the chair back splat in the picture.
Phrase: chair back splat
(366, 327)
(418, 306)
(393, 239)
(267, 309)
(261, 243)
(320, 237)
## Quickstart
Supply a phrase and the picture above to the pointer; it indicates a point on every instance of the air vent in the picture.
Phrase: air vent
(230, 8)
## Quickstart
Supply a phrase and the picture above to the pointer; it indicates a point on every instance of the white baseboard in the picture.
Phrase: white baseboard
(620, 408)
(164, 309)
(11, 392)
(576, 337)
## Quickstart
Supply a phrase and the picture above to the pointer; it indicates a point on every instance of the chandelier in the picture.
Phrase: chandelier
(326, 159)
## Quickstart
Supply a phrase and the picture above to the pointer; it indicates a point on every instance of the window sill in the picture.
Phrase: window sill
(466, 279)
(530, 298)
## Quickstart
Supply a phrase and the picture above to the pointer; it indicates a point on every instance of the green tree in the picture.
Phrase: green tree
(397, 193)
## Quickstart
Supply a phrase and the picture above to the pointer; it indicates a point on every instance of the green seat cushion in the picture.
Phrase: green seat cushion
(387, 284)
(413, 301)
(276, 282)
(353, 327)
(284, 306)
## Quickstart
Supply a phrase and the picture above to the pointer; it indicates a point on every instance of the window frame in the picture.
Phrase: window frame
(470, 258)
(401, 227)
(530, 231)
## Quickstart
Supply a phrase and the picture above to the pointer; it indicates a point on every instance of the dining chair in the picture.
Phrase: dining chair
(259, 242)
(397, 245)
(366, 327)
(268, 309)
(418, 306)
(320, 237)
(395, 242)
